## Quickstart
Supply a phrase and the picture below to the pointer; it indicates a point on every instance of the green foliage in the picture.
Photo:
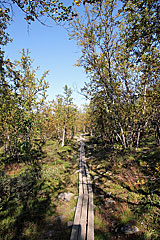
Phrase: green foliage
(36, 10)
(21, 98)
(122, 61)
(65, 115)
(142, 20)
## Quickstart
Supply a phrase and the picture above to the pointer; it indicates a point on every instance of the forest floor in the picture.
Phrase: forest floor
(125, 184)
(126, 187)
(31, 206)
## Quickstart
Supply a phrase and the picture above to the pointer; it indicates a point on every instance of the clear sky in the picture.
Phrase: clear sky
(52, 50)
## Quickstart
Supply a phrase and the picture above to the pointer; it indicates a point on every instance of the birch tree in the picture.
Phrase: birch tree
(65, 115)
(117, 76)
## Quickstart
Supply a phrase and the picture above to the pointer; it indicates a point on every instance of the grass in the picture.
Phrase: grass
(125, 184)
(130, 178)
(30, 204)
(100, 228)
(125, 214)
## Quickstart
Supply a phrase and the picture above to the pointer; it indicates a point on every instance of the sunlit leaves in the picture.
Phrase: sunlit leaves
(65, 115)
(142, 24)
(36, 10)
(21, 94)
(122, 58)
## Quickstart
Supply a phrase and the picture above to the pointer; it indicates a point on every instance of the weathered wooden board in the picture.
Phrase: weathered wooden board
(90, 228)
(83, 221)
(83, 226)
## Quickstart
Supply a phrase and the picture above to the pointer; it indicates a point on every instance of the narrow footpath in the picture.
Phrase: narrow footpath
(83, 226)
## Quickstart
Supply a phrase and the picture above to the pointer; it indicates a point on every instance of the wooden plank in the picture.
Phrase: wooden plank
(83, 221)
(80, 181)
(90, 227)
(76, 228)
(83, 226)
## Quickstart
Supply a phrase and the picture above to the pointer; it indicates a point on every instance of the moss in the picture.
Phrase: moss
(129, 179)
(30, 216)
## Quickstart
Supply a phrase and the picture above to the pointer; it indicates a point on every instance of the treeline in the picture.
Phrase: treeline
(120, 53)
(27, 119)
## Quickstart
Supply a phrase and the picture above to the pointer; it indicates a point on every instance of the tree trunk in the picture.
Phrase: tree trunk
(91, 132)
(138, 138)
(157, 131)
(157, 135)
(63, 136)
(72, 132)
(84, 128)
(123, 137)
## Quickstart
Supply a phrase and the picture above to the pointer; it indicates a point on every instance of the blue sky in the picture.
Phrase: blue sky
(52, 50)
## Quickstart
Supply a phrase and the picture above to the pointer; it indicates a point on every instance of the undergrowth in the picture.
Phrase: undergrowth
(126, 189)
(29, 189)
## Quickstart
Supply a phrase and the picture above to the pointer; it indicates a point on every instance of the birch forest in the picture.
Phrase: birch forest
(39, 150)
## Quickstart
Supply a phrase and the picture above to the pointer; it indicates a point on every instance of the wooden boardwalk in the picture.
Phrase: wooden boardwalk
(83, 226)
